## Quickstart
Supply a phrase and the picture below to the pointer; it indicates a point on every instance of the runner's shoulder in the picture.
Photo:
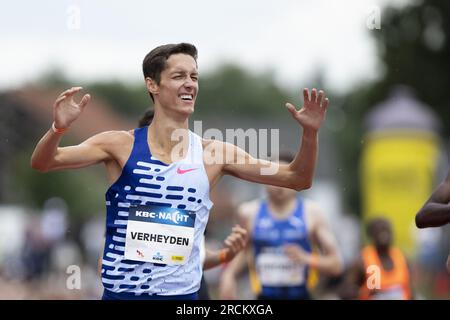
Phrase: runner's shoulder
(314, 212)
(313, 207)
(247, 210)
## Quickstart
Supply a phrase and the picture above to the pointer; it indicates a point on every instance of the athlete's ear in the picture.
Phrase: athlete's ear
(152, 86)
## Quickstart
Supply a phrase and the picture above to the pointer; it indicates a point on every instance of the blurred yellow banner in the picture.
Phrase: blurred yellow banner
(397, 171)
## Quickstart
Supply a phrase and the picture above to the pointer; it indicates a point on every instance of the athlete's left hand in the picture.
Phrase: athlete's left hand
(235, 242)
(312, 114)
(296, 253)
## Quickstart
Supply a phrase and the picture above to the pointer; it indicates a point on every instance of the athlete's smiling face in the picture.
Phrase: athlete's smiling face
(178, 86)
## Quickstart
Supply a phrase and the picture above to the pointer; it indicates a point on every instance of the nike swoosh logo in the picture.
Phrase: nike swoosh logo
(181, 171)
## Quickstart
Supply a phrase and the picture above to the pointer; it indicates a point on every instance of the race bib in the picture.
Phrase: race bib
(275, 269)
(159, 234)
(393, 293)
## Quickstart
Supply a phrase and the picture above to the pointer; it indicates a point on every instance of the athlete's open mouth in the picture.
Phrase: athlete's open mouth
(187, 97)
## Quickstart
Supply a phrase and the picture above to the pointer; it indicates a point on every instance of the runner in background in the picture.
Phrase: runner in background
(283, 230)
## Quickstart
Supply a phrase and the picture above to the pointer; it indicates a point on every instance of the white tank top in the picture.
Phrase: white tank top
(153, 210)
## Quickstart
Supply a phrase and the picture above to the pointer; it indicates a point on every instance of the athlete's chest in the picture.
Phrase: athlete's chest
(387, 263)
(268, 231)
(121, 156)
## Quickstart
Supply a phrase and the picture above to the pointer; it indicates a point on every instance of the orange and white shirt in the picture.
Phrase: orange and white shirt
(393, 284)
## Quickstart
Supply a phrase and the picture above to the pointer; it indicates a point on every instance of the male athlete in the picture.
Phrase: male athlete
(284, 229)
(381, 272)
(161, 176)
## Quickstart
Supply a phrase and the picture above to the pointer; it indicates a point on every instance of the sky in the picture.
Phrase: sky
(104, 40)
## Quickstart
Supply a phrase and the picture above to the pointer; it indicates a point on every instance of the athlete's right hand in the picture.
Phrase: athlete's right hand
(66, 110)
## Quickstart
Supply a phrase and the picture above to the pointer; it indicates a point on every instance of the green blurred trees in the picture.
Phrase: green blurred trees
(414, 49)
(233, 90)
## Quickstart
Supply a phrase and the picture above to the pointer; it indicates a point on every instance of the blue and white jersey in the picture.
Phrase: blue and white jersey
(156, 217)
(278, 275)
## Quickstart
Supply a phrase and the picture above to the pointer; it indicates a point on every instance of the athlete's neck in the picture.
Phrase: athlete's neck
(383, 251)
(166, 133)
(283, 208)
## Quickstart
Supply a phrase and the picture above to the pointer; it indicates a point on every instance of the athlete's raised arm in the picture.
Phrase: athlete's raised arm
(299, 173)
(49, 156)
(436, 211)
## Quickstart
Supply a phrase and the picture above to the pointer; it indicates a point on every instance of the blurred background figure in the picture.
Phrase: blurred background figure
(290, 243)
(35, 252)
(54, 220)
(381, 272)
